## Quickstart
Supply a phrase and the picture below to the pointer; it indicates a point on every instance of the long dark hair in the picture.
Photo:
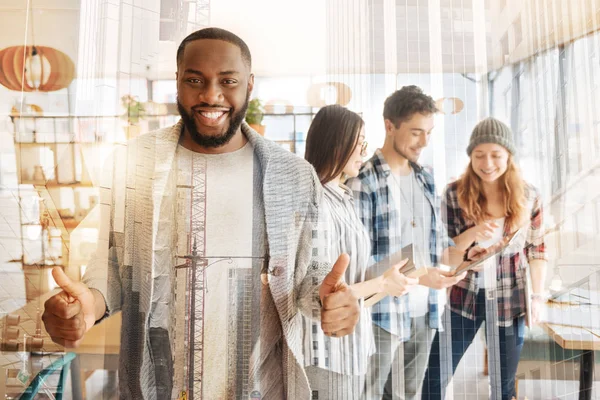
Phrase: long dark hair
(331, 139)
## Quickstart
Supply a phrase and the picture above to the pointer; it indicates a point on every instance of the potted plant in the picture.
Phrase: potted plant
(255, 114)
(134, 112)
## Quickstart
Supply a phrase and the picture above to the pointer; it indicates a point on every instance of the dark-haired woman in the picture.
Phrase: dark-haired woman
(336, 367)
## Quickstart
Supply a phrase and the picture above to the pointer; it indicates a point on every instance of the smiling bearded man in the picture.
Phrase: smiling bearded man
(212, 251)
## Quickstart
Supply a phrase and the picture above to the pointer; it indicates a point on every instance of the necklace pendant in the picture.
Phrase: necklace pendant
(414, 224)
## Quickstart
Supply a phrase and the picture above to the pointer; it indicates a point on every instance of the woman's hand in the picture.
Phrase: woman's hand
(474, 254)
(484, 231)
(537, 304)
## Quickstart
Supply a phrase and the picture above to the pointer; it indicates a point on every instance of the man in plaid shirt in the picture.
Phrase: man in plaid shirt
(397, 203)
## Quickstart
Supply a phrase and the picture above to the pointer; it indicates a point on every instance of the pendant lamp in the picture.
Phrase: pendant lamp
(35, 68)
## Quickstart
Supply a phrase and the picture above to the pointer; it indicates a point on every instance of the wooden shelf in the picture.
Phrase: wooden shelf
(46, 144)
(41, 265)
(52, 185)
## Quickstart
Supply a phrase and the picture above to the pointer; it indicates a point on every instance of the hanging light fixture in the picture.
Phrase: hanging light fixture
(35, 68)
(34, 71)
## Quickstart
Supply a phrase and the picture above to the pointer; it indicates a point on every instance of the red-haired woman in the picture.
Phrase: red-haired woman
(489, 202)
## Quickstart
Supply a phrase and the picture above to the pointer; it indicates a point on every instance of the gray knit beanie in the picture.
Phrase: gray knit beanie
(491, 130)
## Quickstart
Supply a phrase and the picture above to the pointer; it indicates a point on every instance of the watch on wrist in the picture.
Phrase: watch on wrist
(539, 296)
(466, 255)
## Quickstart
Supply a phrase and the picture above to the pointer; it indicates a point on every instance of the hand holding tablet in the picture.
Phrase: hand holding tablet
(480, 256)
(388, 272)
(414, 274)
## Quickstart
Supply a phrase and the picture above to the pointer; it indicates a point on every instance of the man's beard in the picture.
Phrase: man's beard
(235, 120)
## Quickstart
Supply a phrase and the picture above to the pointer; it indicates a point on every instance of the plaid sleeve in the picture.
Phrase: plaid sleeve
(365, 206)
(440, 240)
(444, 239)
(535, 246)
(451, 213)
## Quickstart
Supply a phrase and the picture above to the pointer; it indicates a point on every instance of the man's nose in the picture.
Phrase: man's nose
(211, 93)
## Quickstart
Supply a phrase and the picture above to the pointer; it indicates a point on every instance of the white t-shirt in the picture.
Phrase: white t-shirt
(487, 276)
(414, 206)
(218, 209)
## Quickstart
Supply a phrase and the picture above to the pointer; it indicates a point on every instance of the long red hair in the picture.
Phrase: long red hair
(473, 202)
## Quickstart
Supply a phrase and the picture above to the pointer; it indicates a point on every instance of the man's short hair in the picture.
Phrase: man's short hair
(217, 34)
(401, 105)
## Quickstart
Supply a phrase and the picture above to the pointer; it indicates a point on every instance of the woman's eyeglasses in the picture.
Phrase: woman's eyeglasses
(363, 149)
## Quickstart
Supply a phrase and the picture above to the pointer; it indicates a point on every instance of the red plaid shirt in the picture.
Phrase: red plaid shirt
(511, 271)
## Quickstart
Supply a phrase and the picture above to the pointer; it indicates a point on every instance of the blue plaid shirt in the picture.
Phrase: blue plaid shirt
(380, 215)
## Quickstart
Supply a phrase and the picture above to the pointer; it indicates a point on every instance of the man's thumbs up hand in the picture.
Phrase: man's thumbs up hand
(69, 314)
(335, 278)
(340, 309)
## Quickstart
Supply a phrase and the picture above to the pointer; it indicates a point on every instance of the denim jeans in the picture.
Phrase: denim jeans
(396, 370)
(504, 349)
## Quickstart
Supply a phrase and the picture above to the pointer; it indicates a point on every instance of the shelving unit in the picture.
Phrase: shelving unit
(58, 158)
(54, 162)
(288, 130)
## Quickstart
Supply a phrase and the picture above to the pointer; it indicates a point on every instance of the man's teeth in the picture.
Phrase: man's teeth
(212, 115)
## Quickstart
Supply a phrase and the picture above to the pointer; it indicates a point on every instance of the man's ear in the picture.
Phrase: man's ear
(250, 84)
(389, 126)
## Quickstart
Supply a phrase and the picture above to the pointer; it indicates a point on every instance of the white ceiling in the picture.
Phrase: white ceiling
(289, 37)
(284, 37)
(19, 26)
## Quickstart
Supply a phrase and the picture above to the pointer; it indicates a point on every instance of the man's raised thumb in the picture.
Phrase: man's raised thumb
(73, 289)
(335, 276)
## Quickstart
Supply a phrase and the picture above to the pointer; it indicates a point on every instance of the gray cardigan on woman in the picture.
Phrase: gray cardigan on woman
(138, 193)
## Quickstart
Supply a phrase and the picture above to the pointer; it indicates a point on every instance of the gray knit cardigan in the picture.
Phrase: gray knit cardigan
(136, 192)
